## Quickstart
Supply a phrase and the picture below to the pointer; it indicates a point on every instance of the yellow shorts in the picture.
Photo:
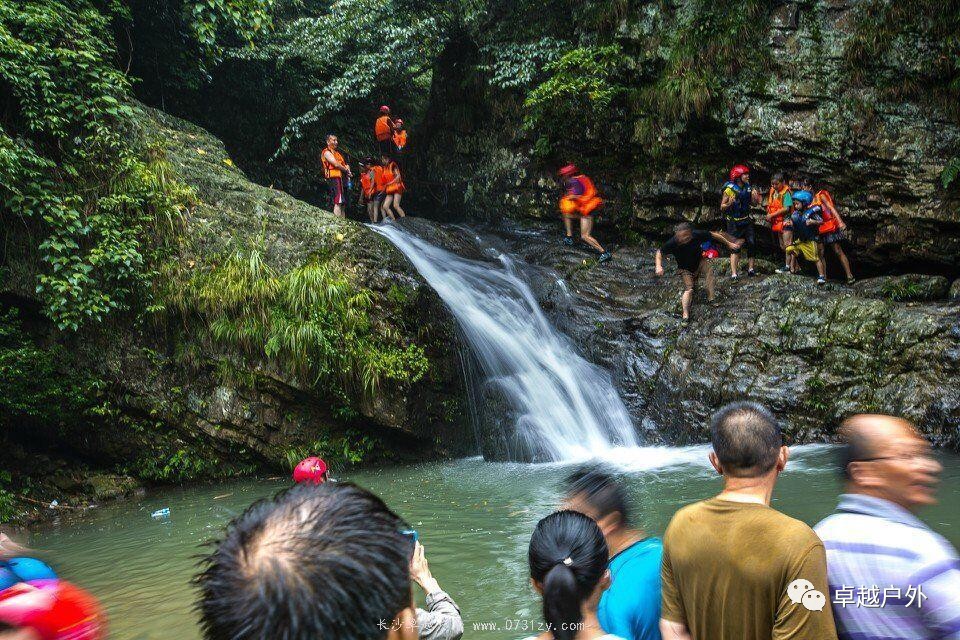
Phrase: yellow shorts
(807, 248)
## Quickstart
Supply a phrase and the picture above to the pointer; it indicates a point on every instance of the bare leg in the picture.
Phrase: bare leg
(386, 208)
(396, 205)
(686, 299)
(706, 267)
(842, 255)
(568, 225)
(734, 263)
(821, 261)
(586, 226)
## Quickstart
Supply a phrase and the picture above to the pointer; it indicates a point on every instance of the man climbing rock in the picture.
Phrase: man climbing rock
(738, 197)
(580, 202)
(334, 168)
(685, 245)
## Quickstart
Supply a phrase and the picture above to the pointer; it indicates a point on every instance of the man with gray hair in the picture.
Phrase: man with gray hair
(890, 574)
(733, 567)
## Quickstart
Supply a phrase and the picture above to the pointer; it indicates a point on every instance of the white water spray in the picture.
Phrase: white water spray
(567, 406)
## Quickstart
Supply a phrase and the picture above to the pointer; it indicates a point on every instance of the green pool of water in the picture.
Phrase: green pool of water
(474, 517)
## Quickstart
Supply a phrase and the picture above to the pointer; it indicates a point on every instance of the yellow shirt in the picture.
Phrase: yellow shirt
(726, 571)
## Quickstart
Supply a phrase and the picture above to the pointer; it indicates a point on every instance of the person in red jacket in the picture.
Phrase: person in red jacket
(580, 202)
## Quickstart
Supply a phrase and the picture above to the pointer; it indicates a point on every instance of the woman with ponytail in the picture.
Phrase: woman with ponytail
(568, 567)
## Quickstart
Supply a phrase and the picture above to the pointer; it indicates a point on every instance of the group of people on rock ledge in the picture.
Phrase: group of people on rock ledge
(381, 180)
(331, 560)
(803, 220)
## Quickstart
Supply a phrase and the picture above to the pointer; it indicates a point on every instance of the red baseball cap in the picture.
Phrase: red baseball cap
(312, 469)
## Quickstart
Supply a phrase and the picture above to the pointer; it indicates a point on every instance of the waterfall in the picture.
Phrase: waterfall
(565, 407)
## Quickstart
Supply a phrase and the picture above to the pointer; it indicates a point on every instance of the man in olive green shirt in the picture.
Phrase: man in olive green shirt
(733, 567)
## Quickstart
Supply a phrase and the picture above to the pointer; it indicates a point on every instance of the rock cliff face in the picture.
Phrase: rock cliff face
(812, 354)
(881, 155)
(168, 401)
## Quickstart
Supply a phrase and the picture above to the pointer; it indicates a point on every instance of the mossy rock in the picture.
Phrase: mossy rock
(910, 287)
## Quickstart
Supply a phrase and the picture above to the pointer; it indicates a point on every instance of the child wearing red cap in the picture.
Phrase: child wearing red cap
(312, 470)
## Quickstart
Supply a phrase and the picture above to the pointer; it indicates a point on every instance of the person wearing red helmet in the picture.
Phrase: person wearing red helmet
(383, 131)
(312, 470)
(579, 202)
(399, 136)
(738, 197)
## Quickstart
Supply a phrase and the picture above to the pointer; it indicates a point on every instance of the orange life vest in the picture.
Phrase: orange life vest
(383, 129)
(329, 170)
(585, 203)
(380, 179)
(394, 172)
(366, 184)
(400, 139)
(824, 200)
(774, 204)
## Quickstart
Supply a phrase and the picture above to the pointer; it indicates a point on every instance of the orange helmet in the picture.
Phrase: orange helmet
(738, 170)
(567, 170)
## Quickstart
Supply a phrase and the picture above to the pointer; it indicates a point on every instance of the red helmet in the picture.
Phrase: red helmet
(54, 610)
(738, 170)
(567, 170)
(384, 109)
(310, 470)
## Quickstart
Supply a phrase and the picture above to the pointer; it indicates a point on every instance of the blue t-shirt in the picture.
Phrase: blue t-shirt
(630, 608)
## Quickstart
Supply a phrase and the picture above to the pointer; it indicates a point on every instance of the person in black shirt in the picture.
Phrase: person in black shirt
(685, 245)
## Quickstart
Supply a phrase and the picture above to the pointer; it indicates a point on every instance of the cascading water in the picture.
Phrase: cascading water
(567, 408)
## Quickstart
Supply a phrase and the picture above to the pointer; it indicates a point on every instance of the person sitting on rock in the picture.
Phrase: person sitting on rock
(685, 247)
(779, 204)
(580, 201)
(806, 219)
(833, 227)
(738, 197)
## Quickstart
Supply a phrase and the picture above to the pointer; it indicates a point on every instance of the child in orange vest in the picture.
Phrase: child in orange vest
(380, 180)
(831, 232)
(367, 191)
(399, 135)
(779, 205)
(579, 202)
(393, 181)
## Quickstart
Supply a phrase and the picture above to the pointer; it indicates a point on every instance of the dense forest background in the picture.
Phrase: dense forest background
(653, 98)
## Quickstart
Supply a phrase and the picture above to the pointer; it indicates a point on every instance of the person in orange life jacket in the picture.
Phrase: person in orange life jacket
(738, 196)
(580, 201)
(335, 169)
(779, 205)
(383, 131)
(833, 227)
(367, 190)
(807, 218)
(393, 181)
(380, 180)
(399, 136)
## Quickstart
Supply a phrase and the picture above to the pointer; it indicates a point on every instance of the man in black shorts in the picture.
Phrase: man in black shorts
(685, 245)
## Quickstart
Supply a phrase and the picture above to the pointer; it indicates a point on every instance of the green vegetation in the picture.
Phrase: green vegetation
(352, 448)
(312, 318)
